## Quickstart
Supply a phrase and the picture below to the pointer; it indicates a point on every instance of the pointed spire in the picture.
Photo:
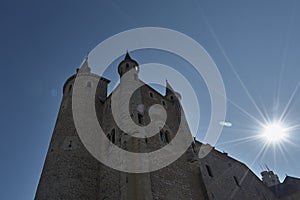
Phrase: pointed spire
(84, 68)
(127, 64)
(169, 89)
(127, 56)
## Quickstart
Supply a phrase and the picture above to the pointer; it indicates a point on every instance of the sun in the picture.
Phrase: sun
(274, 132)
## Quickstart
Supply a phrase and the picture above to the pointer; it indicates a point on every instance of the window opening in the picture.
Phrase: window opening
(209, 170)
(113, 136)
(140, 118)
(236, 181)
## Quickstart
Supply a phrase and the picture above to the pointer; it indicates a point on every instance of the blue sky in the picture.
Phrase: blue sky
(255, 44)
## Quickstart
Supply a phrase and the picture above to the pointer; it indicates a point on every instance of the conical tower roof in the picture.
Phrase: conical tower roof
(127, 64)
(84, 68)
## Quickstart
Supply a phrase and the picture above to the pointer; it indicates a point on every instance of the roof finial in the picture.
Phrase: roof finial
(169, 88)
(127, 56)
(84, 68)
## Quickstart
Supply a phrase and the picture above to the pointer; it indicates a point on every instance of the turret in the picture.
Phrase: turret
(70, 171)
(127, 64)
(170, 92)
(269, 178)
(85, 70)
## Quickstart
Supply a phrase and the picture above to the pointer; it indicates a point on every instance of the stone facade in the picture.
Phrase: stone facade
(71, 172)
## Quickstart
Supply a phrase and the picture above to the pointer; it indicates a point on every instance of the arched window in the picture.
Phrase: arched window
(113, 136)
(127, 65)
(140, 118)
(164, 136)
(151, 94)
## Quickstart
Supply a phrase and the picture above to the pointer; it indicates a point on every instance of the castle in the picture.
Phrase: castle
(72, 172)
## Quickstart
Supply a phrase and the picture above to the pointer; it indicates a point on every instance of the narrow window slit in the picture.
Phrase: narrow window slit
(209, 170)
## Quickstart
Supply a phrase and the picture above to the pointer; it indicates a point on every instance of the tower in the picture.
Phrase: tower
(269, 178)
(127, 64)
(71, 172)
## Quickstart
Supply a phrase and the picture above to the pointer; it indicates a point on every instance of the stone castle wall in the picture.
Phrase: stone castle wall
(71, 172)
